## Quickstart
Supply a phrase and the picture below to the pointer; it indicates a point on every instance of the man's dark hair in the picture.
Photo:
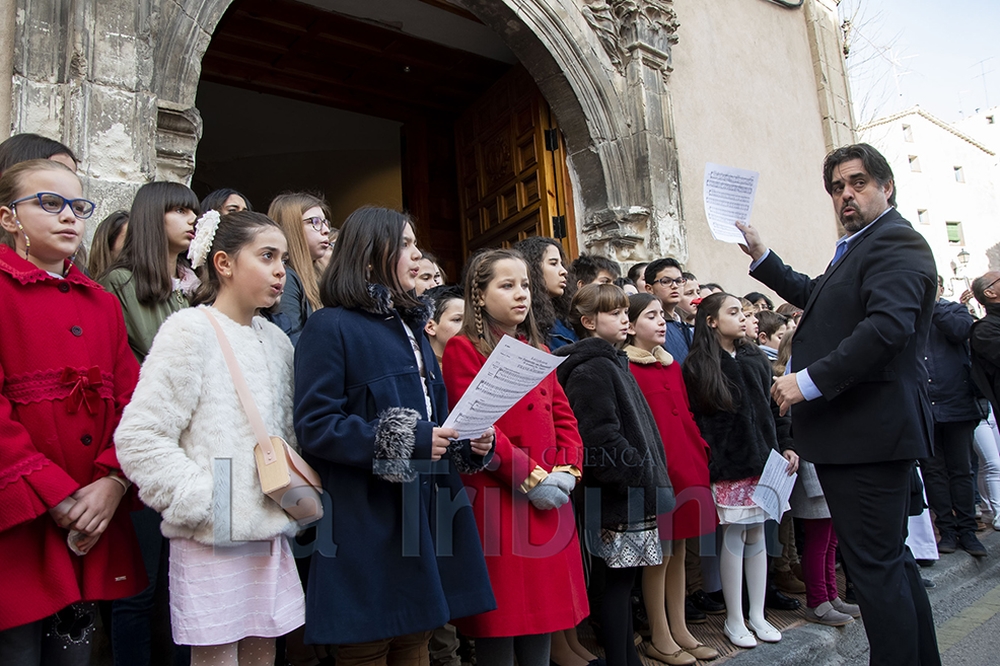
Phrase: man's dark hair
(981, 284)
(657, 265)
(690, 277)
(873, 161)
(713, 286)
(587, 267)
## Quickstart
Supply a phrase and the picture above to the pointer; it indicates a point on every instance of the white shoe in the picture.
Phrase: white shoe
(744, 639)
(996, 523)
(765, 631)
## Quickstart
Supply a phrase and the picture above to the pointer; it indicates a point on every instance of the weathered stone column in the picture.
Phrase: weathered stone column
(643, 219)
(826, 44)
(81, 75)
(8, 19)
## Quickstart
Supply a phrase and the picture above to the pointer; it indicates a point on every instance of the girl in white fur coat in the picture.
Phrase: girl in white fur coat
(186, 442)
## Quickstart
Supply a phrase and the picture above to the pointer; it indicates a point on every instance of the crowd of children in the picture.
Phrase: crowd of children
(114, 483)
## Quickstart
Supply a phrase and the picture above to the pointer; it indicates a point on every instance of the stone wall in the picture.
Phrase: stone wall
(116, 80)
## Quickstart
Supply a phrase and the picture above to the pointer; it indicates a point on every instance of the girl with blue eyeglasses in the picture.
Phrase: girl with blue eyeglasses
(66, 540)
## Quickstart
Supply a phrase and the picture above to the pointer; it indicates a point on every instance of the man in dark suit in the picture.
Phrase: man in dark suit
(861, 412)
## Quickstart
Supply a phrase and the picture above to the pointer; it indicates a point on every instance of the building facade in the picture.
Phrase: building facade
(946, 185)
(643, 93)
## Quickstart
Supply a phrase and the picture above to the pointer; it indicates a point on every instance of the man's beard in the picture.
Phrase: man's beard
(856, 223)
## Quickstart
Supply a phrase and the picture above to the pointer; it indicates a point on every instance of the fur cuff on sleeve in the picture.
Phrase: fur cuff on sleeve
(395, 439)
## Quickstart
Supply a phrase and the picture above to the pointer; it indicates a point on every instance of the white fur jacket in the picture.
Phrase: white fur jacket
(185, 422)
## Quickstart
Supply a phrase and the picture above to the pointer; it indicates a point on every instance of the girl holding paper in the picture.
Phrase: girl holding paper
(368, 401)
(521, 503)
(729, 388)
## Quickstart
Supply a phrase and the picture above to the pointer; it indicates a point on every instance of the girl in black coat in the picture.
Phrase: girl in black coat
(729, 385)
(625, 469)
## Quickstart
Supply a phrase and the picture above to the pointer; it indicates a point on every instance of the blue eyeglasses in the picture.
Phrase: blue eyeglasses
(54, 203)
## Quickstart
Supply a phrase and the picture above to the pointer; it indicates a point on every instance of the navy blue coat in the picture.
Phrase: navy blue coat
(360, 417)
(948, 365)
(678, 339)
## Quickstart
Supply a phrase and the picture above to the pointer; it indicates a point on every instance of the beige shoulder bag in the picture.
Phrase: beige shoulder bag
(284, 476)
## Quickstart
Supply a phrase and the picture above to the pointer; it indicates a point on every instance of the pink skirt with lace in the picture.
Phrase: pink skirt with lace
(734, 504)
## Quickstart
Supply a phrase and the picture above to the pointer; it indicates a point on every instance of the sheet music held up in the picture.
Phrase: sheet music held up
(729, 195)
(511, 371)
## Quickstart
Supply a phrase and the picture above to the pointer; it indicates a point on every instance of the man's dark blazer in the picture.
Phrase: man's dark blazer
(864, 324)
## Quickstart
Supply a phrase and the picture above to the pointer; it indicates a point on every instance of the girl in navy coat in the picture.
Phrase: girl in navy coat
(368, 400)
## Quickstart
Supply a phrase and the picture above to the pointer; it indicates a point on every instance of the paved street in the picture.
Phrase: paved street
(966, 603)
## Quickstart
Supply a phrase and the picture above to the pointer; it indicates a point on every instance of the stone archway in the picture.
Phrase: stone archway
(602, 65)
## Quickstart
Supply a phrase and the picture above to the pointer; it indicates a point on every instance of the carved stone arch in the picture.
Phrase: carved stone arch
(554, 42)
(601, 65)
(181, 35)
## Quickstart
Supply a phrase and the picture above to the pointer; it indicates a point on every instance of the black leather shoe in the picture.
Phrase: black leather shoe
(849, 595)
(923, 564)
(948, 543)
(706, 604)
(971, 545)
(778, 600)
(692, 615)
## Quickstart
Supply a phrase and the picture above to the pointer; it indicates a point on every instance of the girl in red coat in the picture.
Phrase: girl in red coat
(661, 382)
(66, 373)
(521, 501)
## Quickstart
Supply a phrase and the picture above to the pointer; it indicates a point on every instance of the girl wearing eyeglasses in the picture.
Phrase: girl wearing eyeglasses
(304, 219)
(152, 280)
(66, 373)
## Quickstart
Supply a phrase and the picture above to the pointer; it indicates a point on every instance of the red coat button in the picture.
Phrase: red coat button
(63, 287)
(77, 331)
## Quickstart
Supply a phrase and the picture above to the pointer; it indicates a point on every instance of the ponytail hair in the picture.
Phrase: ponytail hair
(477, 324)
(708, 388)
(234, 232)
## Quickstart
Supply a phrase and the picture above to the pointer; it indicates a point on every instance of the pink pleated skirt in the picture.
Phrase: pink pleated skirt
(221, 595)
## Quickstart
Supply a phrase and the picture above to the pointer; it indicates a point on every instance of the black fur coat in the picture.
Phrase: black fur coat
(741, 440)
(622, 445)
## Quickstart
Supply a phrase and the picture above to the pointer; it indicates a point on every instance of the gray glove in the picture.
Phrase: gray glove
(564, 480)
(547, 495)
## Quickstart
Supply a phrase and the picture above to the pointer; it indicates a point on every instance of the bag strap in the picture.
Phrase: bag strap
(243, 391)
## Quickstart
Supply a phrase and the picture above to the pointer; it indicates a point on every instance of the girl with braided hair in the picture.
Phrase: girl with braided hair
(538, 584)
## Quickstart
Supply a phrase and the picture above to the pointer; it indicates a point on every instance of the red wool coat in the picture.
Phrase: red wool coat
(66, 372)
(687, 453)
(533, 557)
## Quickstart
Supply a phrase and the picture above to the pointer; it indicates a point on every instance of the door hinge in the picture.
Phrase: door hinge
(559, 226)
(551, 140)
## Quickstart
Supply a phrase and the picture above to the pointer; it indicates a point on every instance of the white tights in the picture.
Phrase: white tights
(251, 651)
(743, 544)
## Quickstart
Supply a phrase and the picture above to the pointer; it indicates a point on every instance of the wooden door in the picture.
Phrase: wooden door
(512, 176)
